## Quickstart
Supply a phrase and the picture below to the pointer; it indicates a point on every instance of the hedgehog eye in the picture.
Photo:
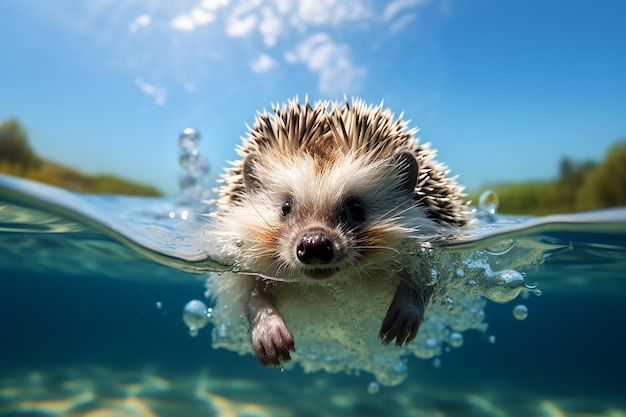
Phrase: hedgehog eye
(355, 212)
(286, 208)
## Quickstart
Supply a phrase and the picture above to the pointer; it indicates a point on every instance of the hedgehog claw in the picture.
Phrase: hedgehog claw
(404, 316)
(271, 340)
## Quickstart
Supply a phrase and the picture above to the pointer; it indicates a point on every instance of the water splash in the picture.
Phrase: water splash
(488, 202)
(336, 329)
(195, 169)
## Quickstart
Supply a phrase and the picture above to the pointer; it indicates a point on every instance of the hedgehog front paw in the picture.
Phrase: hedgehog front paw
(404, 316)
(401, 323)
(271, 340)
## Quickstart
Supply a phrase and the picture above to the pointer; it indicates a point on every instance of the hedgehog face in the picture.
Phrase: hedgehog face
(314, 217)
(331, 190)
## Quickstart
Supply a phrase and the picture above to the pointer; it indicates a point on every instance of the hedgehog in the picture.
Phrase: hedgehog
(325, 196)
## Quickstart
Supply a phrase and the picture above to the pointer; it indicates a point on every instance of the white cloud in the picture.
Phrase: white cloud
(204, 13)
(401, 23)
(240, 26)
(263, 63)
(321, 12)
(283, 6)
(202, 17)
(397, 6)
(139, 22)
(331, 61)
(183, 22)
(158, 94)
(270, 27)
(213, 5)
(242, 20)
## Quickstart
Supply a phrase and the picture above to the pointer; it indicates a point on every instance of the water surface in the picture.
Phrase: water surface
(92, 290)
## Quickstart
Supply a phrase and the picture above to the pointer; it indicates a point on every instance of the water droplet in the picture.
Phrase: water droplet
(195, 315)
(456, 339)
(281, 369)
(492, 339)
(489, 201)
(239, 243)
(437, 362)
(188, 139)
(520, 312)
(373, 388)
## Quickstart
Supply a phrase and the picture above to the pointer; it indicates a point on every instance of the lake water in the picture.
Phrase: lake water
(92, 291)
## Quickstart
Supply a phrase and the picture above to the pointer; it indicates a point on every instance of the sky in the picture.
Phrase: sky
(502, 89)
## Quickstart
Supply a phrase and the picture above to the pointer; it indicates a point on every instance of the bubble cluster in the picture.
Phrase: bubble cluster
(336, 327)
(195, 167)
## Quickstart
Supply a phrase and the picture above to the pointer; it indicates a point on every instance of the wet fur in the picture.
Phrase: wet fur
(351, 173)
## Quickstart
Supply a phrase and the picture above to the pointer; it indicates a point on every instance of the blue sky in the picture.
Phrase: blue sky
(503, 89)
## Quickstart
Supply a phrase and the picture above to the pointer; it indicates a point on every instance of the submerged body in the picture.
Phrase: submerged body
(321, 203)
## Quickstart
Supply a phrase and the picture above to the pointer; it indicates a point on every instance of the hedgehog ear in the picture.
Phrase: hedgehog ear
(407, 169)
(250, 179)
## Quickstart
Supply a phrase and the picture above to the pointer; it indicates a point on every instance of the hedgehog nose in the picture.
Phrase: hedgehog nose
(315, 247)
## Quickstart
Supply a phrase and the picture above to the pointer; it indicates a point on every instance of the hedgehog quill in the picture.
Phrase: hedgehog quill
(322, 199)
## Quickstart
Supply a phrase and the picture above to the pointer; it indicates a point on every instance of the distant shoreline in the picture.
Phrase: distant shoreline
(18, 159)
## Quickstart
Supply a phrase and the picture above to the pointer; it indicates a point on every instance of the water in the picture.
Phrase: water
(95, 296)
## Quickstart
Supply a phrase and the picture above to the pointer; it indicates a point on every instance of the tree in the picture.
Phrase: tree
(14, 147)
(606, 185)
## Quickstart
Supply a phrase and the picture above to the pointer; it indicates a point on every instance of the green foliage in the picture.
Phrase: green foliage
(580, 186)
(17, 158)
(606, 185)
(14, 147)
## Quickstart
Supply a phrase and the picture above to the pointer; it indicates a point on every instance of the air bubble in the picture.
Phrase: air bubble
(504, 286)
(456, 339)
(492, 339)
(159, 305)
(489, 201)
(373, 388)
(239, 243)
(437, 362)
(188, 139)
(520, 312)
(501, 248)
(195, 316)
(195, 167)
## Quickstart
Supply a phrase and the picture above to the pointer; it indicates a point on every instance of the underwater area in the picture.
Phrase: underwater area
(104, 313)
